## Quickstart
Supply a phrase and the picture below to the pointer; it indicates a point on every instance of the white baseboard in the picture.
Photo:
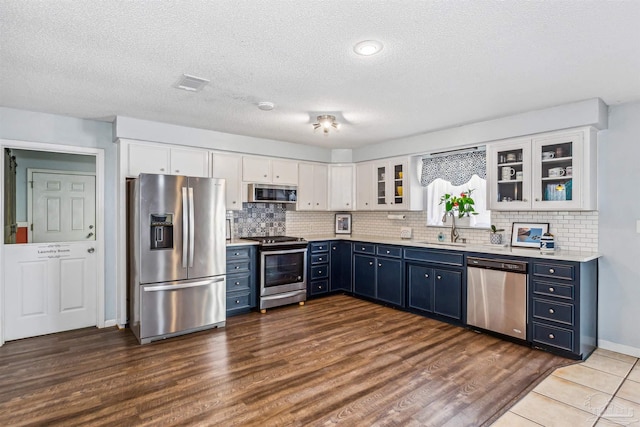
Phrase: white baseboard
(109, 323)
(619, 348)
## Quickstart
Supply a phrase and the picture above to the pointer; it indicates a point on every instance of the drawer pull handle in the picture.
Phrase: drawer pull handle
(236, 253)
(362, 249)
(551, 336)
(426, 275)
(237, 283)
(551, 290)
(177, 170)
(379, 265)
(551, 311)
(388, 252)
(370, 262)
(319, 259)
(237, 301)
(237, 267)
(334, 248)
(319, 271)
(319, 286)
(162, 169)
(551, 271)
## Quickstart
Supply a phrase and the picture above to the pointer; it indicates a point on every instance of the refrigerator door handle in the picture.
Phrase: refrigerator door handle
(192, 233)
(185, 226)
(181, 286)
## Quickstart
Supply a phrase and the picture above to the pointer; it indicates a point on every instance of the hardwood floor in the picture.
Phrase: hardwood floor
(334, 360)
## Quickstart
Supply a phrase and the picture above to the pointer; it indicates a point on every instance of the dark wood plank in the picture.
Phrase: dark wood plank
(334, 360)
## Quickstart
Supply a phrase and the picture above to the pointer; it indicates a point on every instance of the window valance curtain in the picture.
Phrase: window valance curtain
(455, 168)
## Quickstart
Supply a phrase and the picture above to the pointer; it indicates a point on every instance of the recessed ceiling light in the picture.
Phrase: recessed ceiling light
(266, 106)
(367, 47)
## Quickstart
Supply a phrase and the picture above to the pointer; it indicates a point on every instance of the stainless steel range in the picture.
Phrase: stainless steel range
(283, 270)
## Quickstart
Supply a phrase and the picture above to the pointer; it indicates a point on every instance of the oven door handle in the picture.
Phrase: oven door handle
(284, 251)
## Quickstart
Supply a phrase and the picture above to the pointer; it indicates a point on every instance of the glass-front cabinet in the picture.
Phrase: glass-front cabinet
(390, 179)
(555, 171)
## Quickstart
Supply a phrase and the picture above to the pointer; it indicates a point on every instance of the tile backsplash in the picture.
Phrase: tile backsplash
(258, 219)
(574, 231)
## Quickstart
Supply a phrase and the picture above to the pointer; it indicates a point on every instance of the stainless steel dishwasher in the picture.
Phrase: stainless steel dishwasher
(497, 296)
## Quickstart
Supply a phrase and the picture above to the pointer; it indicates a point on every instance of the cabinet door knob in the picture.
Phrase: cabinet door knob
(237, 301)
(370, 262)
(347, 204)
(177, 171)
(551, 336)
(524, 200)
(319, 271)
(234, 202)
(388, 252)
(264, 176)
(236, 253)
(362, 249)
(334, 248)
(537, 200)
(366, 203)
(439, 277)
(551, 311)
(317, 204)
(237, 267)
(551, 271)
(319, 286)
(426, 275)
(319, 259)
(379, 265)
(309, 203)
(552, 290)
(162, 169)
(237, 283)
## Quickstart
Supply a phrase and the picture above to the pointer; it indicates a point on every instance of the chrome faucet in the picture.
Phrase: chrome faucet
(454, 231)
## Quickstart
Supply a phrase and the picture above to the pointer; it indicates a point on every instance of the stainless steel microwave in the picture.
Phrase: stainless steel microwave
(269, 193)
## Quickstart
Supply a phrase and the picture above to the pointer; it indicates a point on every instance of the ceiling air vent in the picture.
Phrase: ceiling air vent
(191, 83)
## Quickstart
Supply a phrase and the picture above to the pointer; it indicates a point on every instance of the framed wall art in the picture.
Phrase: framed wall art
(343, 223)
(528, 234)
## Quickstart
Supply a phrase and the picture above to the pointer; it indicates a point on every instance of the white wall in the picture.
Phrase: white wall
(619, 206)
(52, 129)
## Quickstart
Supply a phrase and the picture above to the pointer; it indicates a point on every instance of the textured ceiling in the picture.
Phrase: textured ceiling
(444, 63)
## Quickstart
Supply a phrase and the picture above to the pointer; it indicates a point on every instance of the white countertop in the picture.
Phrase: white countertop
(241, 242)
(488, 248)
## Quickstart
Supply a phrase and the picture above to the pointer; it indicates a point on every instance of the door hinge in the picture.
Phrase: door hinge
(31, 226)
(31, 182)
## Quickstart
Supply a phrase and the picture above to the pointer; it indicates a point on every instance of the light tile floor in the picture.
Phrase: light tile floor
(602, 391)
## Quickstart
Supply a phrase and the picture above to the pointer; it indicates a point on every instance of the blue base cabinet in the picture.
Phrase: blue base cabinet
(318, 270)
(436, 281)
(378, 272)
(242, 289)
(341, 256)
(563, 306)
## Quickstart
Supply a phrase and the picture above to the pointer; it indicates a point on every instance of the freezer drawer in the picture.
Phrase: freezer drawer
(167, 309)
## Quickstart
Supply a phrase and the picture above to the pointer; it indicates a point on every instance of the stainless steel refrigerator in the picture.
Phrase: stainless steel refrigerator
(177, 255)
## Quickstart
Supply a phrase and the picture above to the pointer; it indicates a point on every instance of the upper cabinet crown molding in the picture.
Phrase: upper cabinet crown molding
(546, 172)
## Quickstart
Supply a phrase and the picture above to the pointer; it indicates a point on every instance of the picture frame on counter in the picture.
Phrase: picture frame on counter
(528, 234)
(343, 223)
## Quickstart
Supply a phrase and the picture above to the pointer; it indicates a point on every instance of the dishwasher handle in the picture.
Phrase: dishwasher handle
(498, 264)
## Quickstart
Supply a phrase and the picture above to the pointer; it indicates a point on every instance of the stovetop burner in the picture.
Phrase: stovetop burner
(274, 240)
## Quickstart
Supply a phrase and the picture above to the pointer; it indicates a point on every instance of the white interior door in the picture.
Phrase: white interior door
(49, 288)
(63, 207)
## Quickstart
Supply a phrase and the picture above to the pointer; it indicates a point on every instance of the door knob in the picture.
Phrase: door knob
(91, 250)
(89, 235)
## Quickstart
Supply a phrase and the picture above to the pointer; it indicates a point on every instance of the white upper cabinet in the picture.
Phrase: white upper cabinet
(364, 186)
(269, 171)
(163, 159)
(396, 185)
(313, 185)
(341, 187)
(555, 171)
(229, 167)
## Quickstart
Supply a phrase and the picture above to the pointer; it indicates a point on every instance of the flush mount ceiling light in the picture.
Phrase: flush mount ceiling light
(266, 105)
(368, 47)
(326, 122)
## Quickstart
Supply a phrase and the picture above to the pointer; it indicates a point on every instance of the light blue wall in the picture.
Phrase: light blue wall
(619, 209)
(52, 129)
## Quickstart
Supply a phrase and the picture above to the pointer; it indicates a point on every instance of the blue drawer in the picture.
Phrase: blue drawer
(319, 272)
(238, 252)
(555, 290)
(241, 282)
(555, 337)
(316, 247)
(319, 259)
(558, 271)
(390, 251)
(238, 301)
(238, 266)
(444, 257)
(319, 287)
(556, 312)
(365, 248)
